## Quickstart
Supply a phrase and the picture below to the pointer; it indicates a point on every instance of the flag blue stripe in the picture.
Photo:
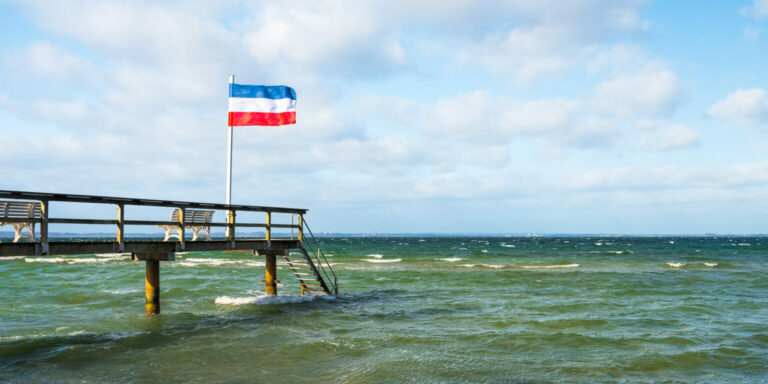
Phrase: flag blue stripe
(262, 91)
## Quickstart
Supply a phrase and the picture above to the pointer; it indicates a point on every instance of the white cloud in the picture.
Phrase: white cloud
(744, 106)
(758, 9)
(652, 90)
(751, 33)
(665, 136)
(49, 62)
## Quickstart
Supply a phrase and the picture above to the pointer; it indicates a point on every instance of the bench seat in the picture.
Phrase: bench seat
(195, 219)
(21, 215)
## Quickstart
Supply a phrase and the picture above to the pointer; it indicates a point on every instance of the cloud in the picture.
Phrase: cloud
(666, 136)
(652, 90)
(744, 106)
(758, 9)
(48, 62)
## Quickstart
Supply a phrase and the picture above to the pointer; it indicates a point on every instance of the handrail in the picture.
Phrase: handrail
(119, 222)
(18, 195)
(324, 263)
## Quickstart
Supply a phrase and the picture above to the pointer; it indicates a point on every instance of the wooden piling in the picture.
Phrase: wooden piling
(271, 274)
(152, 287)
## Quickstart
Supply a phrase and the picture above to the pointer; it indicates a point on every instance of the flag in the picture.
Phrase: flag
(261, 105)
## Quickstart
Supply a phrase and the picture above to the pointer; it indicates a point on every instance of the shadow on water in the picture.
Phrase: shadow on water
(165, 329)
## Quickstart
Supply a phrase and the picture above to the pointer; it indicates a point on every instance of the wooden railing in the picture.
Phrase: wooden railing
(42, 246)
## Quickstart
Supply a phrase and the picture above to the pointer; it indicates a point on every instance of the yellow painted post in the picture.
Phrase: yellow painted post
(268, 229)
(182, 212)
(152, 287)
(271, 274)
(121, 227)
(301, 228)
(43, 227)
(231, 226)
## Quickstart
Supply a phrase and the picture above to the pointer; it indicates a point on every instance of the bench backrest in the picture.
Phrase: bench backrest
(10, 210)
(192, 216)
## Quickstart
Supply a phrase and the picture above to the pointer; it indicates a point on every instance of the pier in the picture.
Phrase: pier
(302, 253)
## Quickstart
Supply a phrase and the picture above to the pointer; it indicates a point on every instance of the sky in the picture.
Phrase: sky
(421, 116)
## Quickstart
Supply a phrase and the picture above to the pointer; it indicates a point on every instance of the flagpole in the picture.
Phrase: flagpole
(229, 156)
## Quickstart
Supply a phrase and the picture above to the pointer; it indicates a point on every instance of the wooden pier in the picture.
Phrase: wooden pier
(302, 253)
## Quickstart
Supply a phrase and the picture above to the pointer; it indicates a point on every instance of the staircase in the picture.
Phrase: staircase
(310, 266)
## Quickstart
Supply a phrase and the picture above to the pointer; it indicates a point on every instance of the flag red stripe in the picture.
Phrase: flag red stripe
(237, 119)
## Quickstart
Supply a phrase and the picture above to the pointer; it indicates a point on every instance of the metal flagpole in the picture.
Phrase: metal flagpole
(229, 155)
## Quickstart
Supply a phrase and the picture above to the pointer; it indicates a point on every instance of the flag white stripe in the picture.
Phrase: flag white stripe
(252, 104)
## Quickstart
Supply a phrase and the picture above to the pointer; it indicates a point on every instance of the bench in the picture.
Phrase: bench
(20, 214)
(194, 219)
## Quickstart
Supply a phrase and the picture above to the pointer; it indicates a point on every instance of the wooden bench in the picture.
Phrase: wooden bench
(194, 219)
(12, 211)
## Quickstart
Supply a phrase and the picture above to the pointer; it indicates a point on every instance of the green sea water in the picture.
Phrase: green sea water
(411, 310)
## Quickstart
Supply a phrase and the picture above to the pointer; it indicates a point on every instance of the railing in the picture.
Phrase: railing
(323, 266)
(42, 245)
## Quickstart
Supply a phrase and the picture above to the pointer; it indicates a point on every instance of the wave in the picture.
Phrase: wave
(676, 265)
(451, 259)
(507, 245)
(210, 262)
(711, 264)
(376, 255)
(550, 266)
(268, 299)
(383, 260)
(492, 266)
(619, 252)
(82, 260)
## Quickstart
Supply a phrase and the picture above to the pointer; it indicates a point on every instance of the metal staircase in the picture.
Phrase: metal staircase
(310, 266)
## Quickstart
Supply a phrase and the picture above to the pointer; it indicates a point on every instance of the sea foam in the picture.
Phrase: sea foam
(676, 265)
(267, 299)
(451, 259)
(550, 266)
(383, 260)
(376, 255)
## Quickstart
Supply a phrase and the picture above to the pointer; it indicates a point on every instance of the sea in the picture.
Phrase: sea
(410, 310)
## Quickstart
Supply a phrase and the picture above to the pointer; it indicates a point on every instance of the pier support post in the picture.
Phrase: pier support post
(152, 288)
(152, 278)
(271, 274)
(271, 270)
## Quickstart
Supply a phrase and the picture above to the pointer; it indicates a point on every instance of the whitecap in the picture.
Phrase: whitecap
(112, 255)
(507, 245)
(451, 259)
(671, 241)
(267, 299)
(12, 257)
(550, 266)
(468, 265)
(383, 260)
(484, 250)
(711, 264)
(495, 266)
(376, 255)
(676, 265)
(599, 244)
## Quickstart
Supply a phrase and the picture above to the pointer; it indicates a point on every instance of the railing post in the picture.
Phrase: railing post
(268, 230)
(182, 212)
(301, 228)
(231, 228)
(44, 227)
(121, 227)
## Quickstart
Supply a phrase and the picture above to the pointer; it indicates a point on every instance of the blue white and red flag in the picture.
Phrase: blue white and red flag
(261, 105)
